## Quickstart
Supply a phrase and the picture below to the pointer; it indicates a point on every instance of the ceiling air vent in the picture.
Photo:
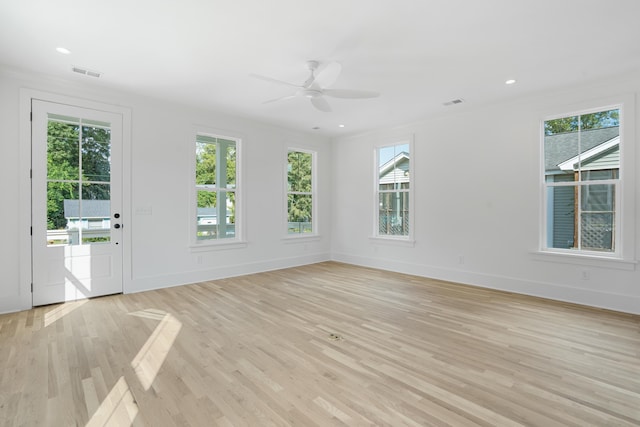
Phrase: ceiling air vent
(453, 102)
(86, 72)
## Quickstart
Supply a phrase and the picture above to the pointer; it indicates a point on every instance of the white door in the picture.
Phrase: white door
(76, 202)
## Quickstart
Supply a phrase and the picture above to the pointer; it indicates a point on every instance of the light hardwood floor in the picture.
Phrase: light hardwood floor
(320, 345)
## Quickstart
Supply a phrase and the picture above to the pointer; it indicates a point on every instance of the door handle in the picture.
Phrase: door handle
(116, 225)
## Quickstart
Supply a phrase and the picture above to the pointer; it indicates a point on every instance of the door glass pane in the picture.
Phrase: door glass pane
(62, 215)
(96, 153)
(95, 213)
(62, 150)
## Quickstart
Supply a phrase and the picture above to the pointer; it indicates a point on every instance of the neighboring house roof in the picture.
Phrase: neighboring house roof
(90, 208)
(563, 147)
(396, 169)
(603, 156)
(385, 168)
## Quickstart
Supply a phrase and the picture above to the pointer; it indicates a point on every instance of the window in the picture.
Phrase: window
(300, 192)
(216, 188)
(582, 182)
(393, 190)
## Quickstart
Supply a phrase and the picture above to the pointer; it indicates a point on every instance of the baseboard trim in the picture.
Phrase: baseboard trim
(148, 283)
(557, 292)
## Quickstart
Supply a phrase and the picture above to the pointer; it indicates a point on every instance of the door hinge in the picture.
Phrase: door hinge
(31, 116)
(31, 173)
(30, 231)
(32, 288)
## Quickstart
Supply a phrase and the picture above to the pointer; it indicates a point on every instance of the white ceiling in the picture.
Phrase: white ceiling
(418, 54)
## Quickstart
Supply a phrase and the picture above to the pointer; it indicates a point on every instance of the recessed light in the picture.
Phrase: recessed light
(63, 50)
(510, 82)
(340, 126)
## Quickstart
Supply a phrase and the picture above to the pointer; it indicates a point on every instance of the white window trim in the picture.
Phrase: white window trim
(314, 235)
(624, 256)
(238, 241)
(407, 240)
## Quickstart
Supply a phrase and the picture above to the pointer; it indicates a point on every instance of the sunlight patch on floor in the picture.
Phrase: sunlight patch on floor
(149, 313)
(119, 408)
(62, 310)
(152, 354)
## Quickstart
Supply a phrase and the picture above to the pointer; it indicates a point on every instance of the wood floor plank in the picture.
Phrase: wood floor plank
(327, 344)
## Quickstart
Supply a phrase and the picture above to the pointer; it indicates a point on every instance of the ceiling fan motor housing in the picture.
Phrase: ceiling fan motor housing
(309, 93)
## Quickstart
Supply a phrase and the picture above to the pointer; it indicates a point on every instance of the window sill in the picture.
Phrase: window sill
(299, 238)
(217, 246)
(394, 241)
(584, 259)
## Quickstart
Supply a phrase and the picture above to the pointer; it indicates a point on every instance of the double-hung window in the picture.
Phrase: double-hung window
(393, 191)
(216, 188)
(583, 182)
(300, 192)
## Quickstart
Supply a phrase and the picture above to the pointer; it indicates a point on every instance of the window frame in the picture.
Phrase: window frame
(409, 237)
(219, 243)
(314, 205)
(624, 218)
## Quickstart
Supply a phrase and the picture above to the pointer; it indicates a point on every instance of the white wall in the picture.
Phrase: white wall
(11, 297)
(160, 154)
(475, 173)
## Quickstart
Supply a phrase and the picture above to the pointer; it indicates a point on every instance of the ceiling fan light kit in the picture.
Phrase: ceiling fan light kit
(315, 87)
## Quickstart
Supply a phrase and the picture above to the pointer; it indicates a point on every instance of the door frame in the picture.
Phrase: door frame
(24, 226)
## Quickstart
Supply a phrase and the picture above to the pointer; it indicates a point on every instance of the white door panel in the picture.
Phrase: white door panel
(76, 202)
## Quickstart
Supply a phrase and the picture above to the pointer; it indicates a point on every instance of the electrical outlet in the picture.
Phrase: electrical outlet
(460, 259)
(584, 274)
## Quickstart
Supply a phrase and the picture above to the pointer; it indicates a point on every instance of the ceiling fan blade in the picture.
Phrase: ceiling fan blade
(321, 104)
(269, 79)
(329, 74)
(282, 98)
(350, 94)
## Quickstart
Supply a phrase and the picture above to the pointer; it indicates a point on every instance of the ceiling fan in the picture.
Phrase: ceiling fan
(315, 87)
